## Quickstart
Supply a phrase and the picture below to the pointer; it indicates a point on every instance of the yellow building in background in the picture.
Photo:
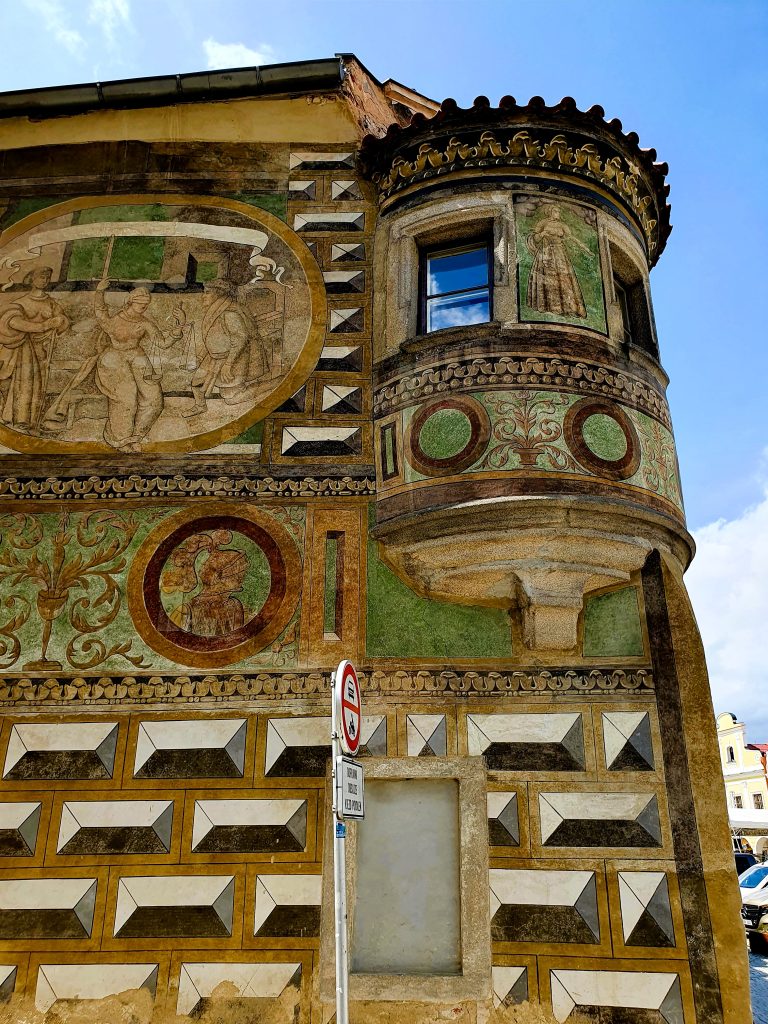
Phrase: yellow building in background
(746, 783)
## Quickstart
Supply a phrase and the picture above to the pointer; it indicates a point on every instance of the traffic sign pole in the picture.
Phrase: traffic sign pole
(339, 861)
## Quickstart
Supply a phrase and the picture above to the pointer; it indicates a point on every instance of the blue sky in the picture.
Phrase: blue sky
(689, 76)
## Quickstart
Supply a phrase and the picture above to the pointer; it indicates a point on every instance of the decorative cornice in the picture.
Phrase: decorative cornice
(561, 138)
(541, 372)
(26, 692)
(180, 486)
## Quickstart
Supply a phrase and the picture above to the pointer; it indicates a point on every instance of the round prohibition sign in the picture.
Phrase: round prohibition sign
(349, 707)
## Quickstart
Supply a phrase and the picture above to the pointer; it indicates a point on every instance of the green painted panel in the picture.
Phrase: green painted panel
(612, 627)
(276, 204)
(558, 254)
(445, 433)
(24, 207)
(330, 589)
(402, 624)
(207, 271)
(137, 259)
(252, 435)
(87, 257)
(603, 436)
(127, 212)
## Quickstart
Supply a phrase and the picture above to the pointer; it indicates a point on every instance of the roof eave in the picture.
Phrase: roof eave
(297, 77)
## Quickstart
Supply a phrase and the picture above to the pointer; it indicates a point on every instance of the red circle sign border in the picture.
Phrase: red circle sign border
(351, 746)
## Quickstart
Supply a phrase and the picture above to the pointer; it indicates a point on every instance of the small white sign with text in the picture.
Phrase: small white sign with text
(350, 796)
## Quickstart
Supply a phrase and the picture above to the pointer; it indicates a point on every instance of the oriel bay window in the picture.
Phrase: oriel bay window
(455, 287)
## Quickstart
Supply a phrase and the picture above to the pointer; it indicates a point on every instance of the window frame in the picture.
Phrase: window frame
(474, 981)
(622, 297)
(757, 802)
(428, 252)
(631, 295)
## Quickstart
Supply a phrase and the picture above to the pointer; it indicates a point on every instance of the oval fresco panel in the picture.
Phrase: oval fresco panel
(151, 323)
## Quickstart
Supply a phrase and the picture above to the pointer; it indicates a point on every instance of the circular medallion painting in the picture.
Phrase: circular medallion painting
(151, 323)
(210, 590)
(603, 439)
(447, 436)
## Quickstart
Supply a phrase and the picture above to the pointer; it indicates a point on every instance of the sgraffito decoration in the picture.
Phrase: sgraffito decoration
(69, 577)
(604, 439)
(529, 429)
(447, 435)
(211, 589)
(559, 264)
(151, 323)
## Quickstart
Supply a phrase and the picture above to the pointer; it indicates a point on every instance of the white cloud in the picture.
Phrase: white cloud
(109, 16)
(55, 21)
(236, 55)
(728, 585)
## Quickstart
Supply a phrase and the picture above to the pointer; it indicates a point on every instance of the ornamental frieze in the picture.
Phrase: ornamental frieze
(182, 486)
(558, 152)
(111, 690)
(543, 372)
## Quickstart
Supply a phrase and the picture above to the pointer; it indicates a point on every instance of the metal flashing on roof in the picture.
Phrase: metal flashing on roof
(294, 77)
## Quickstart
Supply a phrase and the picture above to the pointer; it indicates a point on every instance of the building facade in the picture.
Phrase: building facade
(746, 783)
(297, 366)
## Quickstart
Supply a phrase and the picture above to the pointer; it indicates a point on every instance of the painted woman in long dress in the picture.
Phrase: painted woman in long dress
(552, 285)
(28, 330)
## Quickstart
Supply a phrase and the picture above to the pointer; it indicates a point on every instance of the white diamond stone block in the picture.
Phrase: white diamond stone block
(67, 982)
(198, 981)
(58, 908)
(299, 893)
(19, 822)
(61, 750)
(320, 160)
(300, 746)
(630, 990)
(193, 748)
(426, 734)
(504, 980)
(249, 826)
(186, 906)
(343, 220)
(626, 819)
(115, 826)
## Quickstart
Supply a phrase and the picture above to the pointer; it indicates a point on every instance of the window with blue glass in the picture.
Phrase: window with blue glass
(455, 287)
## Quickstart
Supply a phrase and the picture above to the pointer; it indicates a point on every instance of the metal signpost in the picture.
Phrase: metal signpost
(348, 802)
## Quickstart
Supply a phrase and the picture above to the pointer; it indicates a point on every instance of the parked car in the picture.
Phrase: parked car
(754, 906)
(744, 861)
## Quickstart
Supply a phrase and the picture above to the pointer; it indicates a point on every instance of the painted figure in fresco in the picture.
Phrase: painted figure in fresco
(226, 360)
(553, 286)
(29, 327)
(125, 373)
(203, 566)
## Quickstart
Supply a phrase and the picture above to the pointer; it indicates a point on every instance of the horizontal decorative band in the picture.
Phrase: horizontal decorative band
(177, 486)
(541, 372)
(572, 153)
(515, 483)
(112, 690)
